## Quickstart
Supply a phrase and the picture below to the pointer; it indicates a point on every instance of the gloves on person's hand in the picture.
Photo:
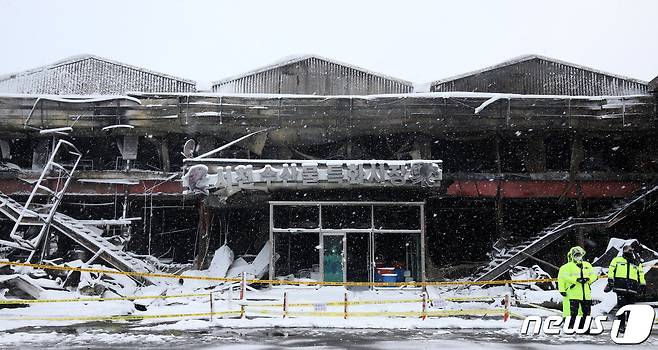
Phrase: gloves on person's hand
(582, 280)
(643, 288)
(608, 288)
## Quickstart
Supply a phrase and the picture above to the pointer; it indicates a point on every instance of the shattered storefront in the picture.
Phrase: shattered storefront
(327, 240)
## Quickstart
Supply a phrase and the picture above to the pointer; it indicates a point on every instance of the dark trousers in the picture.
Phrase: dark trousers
(624, 299)
(574, 305)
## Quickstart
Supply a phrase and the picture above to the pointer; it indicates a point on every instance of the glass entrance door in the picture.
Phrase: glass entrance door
(333, 257)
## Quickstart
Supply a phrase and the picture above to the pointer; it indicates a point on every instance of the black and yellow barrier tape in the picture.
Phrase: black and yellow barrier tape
(117, 317)
(277, 282)
(339, 303)
(92, 299)
(438, 313)
(372, 302)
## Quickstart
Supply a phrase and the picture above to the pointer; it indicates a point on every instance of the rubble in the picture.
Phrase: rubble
(531, 273)
(221, 261)
(615, 245)
(20, 286)
(254, 270)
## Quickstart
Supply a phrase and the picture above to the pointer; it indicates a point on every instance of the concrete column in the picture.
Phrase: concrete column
(203, 232)
(164, 155)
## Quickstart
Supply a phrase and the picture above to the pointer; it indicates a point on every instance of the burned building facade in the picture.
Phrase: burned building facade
(344, 185)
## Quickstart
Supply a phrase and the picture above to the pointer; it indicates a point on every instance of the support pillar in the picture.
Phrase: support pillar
(164, 155)
(499, 212)
(203, 234)
(577, 156)
(580, 234)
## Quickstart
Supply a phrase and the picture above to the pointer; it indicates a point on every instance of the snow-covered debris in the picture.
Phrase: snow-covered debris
(531, 273)
(221, 261)
(196, 180)
(20, 286)
(488, 102)
(257, 268)
(616, 245)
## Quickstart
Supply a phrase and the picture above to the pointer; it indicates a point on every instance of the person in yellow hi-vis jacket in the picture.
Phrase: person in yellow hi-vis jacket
(574, 280)
(626, 278)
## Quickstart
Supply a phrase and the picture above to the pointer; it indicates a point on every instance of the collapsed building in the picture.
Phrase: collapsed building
(337, 172)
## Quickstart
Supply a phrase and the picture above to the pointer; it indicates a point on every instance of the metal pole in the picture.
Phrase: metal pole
(422, 242)
(321, 242)
(273, 250)
(345, 307)
(371, 247)
(211, 306)
(424, 312)
(285, 304)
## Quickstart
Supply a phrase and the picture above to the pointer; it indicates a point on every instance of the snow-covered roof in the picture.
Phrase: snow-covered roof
(90, 74)
(82, 57)
(412, 95)
(530, 57)
(299, 58)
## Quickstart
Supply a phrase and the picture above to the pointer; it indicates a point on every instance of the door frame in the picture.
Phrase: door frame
(343, 254)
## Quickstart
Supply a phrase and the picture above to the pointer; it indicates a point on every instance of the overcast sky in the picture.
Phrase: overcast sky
(414, 40)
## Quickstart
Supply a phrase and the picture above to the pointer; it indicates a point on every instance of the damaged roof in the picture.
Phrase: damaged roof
(313, 75)
(541, 75)
(91, 75)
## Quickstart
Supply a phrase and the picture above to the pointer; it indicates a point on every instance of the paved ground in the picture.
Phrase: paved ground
(109, 336)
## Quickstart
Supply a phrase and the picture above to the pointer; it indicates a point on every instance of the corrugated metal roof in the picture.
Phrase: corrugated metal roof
(524, 58)
(298, 58)
(90, 74)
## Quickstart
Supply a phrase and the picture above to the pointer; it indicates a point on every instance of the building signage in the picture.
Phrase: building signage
(318, 173)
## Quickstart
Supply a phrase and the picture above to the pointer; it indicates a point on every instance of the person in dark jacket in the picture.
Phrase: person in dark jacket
(626, 279)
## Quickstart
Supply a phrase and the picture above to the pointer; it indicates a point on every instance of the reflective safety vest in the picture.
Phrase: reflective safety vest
(626, 277)
(567, 280)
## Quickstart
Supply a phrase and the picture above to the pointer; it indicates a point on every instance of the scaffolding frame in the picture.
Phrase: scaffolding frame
(320, 230)
(55, 197)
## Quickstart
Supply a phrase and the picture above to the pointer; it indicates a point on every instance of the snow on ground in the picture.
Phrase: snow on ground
(324, 299)
(306, 338)
(355, 323)
(271, 331)
(263, 307)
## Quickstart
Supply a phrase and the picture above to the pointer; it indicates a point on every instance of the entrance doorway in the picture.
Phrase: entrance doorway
(333, 257)
(345, 256)
(348, 241)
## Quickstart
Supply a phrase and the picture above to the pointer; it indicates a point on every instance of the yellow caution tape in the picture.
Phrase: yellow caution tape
(278, 282)
(369, 302)
(207, 295)
(341, 303)
(438, 313)
(115, 318)
(442, 313)
(110, 272)
(74, 300)
(475, 298)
